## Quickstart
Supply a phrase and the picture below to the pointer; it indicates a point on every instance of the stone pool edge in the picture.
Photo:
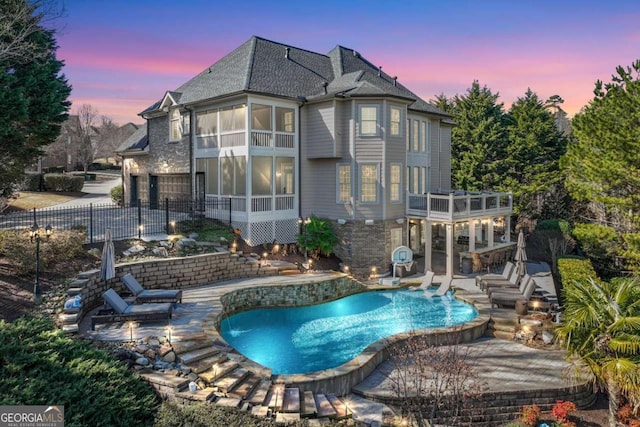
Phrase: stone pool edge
(341, 379)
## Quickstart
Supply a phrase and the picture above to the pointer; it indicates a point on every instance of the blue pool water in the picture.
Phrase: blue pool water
(308, 339)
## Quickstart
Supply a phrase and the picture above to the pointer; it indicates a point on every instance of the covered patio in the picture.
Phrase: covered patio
(468, 227)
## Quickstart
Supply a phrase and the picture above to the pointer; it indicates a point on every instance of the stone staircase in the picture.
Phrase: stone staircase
(503, 324)
(223, 380)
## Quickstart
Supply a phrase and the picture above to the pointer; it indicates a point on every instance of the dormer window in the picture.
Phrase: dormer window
(175, 133)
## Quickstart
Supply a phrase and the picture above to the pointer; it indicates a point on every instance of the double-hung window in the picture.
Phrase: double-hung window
(369, 183)
(394, 122)
(368, 120)
(416, 136)
(175, 131)
(396, 182)
(344, 183)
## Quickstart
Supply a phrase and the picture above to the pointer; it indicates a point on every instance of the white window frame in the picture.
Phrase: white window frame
(426, 130)
(415, 135)
(344, 189)
(175, 131)
(395, 127)
(376, 131)
(376, 183)
(395, 170)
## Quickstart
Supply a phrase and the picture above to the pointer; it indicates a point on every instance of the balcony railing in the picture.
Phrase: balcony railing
(457, 206)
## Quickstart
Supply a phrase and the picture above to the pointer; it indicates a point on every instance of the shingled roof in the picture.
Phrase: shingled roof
(275, 69)
(136, 143)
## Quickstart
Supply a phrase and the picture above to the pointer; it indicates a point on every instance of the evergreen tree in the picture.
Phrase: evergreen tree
(478, 139)
(603, 162)
(34, 104)
(530, 168)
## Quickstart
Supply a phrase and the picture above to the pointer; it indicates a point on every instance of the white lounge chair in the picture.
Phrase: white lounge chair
(427, 281)
(502, 299)
(506, 272)
(442, 289)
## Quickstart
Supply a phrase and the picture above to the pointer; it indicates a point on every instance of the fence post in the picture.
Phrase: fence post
(166, 214)
(34, 216)
(139, 220)
(91, 222)
(229, 210)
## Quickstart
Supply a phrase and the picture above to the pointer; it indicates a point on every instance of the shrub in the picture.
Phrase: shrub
(31, 182)
(575, 269)
(317, 237)
(560, 412)
(62, 246)
(601, 244)
(117, 195)
(63, 183)
(553, 224)
(530, 415)
(42, 366)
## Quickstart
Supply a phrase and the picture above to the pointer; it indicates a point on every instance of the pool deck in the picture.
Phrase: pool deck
(501, 364)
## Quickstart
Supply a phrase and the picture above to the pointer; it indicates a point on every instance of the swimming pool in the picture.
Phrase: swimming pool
(307, 339)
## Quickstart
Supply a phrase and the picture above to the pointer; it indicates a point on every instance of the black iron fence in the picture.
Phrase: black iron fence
(128, 221)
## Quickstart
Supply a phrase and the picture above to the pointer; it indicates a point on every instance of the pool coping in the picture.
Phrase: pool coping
(341, 379)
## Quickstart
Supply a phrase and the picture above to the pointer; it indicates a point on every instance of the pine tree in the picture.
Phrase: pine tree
(530, 168)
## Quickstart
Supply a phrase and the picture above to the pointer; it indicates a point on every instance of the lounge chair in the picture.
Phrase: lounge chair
(427, 281)
(442, 289)
(513, 280)
(123, 312)
(503, 299)
(506, 272)
(510, 290)
(150, 295)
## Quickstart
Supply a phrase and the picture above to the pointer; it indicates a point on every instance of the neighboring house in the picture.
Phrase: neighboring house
(286, 133)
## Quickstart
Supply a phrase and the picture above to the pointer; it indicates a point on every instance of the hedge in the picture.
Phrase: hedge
(63, 183)
(574, 269)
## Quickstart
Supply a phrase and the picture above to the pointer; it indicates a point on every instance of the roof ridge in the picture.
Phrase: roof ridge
(251, 59)
(291, 46)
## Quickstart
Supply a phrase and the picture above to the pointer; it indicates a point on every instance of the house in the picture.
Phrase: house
(285, 133)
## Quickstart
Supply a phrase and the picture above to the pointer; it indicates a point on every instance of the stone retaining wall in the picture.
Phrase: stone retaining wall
(288, 295)
(165, 273)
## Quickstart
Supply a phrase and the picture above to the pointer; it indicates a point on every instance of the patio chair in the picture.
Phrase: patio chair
(442, 289)
(427, 281)
(150, 295)
(513, 280)
(508, 299)
(123, 312)
(506, 273)
(511, 290)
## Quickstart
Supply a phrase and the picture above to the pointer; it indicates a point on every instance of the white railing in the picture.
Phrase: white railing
(459, 206)
(261, 139)
(235, 139)
(284, 203)
(285, 140)
(238, 203)
(261, 204)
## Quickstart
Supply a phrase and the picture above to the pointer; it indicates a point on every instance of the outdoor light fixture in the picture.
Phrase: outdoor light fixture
(400, 220)
(140, 227)
(169, 330)
(342, 221)
(34, 234)
(173, 227)
(131, 325)
(368, 222)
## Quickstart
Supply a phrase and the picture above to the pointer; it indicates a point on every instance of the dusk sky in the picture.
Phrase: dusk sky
(123, 55)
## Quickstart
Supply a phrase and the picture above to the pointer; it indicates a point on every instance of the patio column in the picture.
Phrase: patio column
(472, 235)
(428, 246)
(490, 233)
(449, 250)
(507, 228)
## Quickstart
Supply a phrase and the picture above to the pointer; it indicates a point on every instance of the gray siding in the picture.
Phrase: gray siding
(445, 156)
(319, 130)
(395, 152)
(436, 184)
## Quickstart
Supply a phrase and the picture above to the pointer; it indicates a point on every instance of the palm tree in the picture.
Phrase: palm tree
(601, 331)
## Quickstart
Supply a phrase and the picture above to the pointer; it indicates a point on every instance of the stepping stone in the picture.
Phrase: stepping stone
(221, 370)
(275, 397)
(191, 342)
(207, 363)
(286, 418)
(229, 402)
(309, 405)
(245, 388)
(260, 411)
(231, 380)
(154, 377)
(197, 396)
(291, 400)
(338, 405)
(260, 394)
(199, 354)
(325, 408)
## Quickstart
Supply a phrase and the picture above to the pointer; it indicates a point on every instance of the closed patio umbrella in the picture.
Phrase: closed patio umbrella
(108, 267)
(521, 255)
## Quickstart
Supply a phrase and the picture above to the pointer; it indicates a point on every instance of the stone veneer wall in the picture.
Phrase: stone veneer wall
(295, 295)
(362, 246)
(168, 273)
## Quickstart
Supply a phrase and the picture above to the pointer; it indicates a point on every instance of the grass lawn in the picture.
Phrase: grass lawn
(28, 200)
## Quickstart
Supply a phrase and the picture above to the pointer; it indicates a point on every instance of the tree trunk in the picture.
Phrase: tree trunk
(613, 388)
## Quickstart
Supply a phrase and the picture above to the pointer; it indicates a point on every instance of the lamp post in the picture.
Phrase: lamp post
(34, 234)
